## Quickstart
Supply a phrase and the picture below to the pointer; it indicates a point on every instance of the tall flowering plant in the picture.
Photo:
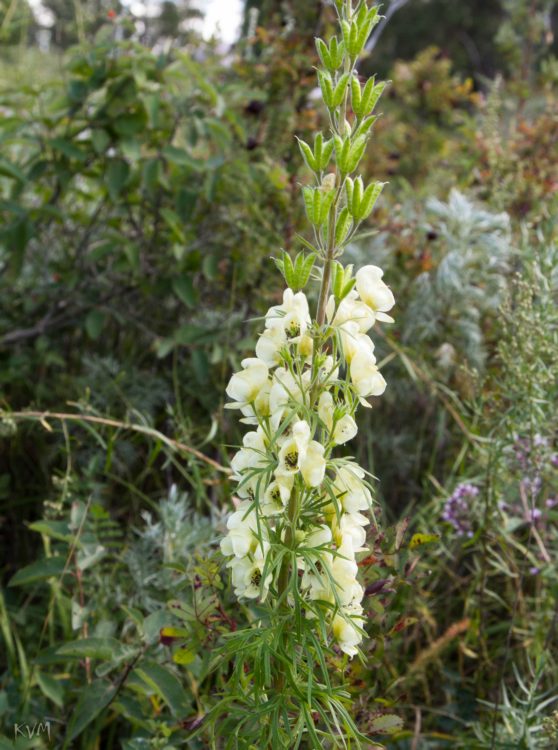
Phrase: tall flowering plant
(293, 541)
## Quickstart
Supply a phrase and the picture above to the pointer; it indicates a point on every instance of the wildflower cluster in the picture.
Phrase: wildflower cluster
(301, 521)
(458, 510)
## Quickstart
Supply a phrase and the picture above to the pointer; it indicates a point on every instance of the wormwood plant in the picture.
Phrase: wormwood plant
(293, 542)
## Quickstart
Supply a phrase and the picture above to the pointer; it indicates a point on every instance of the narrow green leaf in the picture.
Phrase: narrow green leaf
(40, 570)
(94, 324)
(93, 699)
(166, 685)
(94, 648)
(51, 688)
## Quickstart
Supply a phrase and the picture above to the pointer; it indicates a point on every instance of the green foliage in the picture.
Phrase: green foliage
(141, 195)
(113, 622)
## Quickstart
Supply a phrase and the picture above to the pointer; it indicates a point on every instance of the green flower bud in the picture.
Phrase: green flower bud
(342, 151)
(343, 226)
(340, 89)
(325, 155)
(326, 86)
(323, 54)
(355, 154)
(356, 96)
(372, 92)
(307, 155)
(336, 52)
(357, 197)
(365, 126)
(368, 201)
(349, 190)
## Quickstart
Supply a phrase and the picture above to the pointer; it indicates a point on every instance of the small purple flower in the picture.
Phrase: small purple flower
(457, 510)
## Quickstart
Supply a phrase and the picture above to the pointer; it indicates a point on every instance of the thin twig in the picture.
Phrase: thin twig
(44, 416)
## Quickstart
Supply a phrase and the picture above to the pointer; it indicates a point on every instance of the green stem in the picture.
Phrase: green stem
(283, 581)
(292, 512)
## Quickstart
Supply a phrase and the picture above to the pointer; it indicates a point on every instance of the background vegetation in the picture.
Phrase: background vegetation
(147, 177)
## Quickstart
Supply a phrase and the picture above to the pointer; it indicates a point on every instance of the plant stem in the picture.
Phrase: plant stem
(284, 573)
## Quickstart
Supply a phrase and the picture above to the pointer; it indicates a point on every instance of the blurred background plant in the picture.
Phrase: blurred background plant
(141, 157)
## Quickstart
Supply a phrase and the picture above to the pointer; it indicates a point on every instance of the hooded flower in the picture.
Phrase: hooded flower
(346, 632)
(365, 376)
(242, 537)
(247, 576)
(374, 292)
(351, 310)
(245, 386)
(345, 426)
(292, 317)
(352, 493)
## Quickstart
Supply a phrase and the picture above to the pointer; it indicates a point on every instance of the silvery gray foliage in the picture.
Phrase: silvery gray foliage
(174, 536)
(468, 280)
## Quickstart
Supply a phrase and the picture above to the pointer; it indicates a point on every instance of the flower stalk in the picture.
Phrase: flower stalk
(294, 541)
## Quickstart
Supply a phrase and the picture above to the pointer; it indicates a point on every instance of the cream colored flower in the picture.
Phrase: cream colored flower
(284, 390)
(247, 576)
(245, 386)
(345, 427)
(293, 449)
(242, 526)
(365, 376)
(354, 342)
(349, 531)
(351, 310)
(315, 578)
(346, 632)
(313, 464)
(349, 487)
(374, 292)
(251, 455)
(293, 316)
(269, 345)
(276, 496)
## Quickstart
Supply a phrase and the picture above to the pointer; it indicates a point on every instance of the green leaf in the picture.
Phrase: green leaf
(183, 656)
(94, 648)
(181, 157)
(117, 175)
(52, 688)
(386, 724)
(15, 239)
(130, 124)
(183, 287)
(174, 222)
(7, 169)
(94, 324)
(68, 149)
(53, 529)
(100, 140)
(166, 685)
(417, 540)
(40, 570)
(150, 175)
(93, 699)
